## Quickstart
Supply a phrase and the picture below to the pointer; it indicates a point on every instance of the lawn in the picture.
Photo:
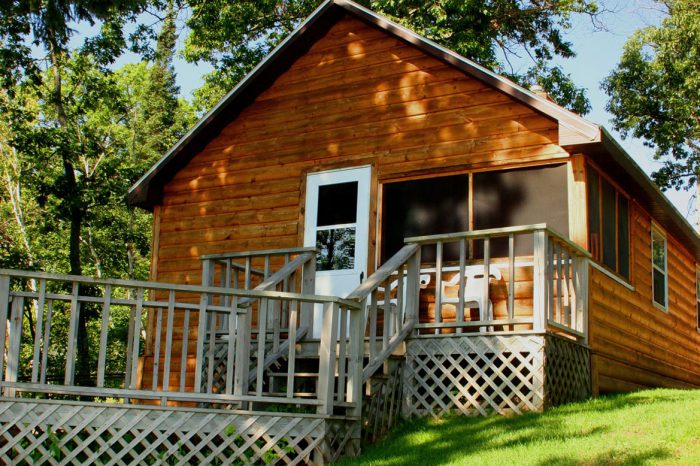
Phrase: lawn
(648, 427)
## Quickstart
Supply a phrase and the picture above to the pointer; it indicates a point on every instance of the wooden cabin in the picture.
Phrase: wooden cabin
(370, 225)
(435, 144)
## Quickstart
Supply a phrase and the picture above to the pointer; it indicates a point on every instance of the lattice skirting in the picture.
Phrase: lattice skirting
(567, 371)
(59, 432)
(382, 402)
(474, 375)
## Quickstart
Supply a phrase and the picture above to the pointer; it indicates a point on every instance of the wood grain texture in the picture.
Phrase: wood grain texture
(636, 344)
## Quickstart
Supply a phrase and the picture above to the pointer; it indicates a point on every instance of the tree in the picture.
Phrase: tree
(655, 92)
(77, 140)
(234, 36)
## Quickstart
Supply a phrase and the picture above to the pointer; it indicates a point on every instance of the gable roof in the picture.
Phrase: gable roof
(146, 191)
(580, 134)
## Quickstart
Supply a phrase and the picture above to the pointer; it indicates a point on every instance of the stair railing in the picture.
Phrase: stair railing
(390, 304)
(279, 324)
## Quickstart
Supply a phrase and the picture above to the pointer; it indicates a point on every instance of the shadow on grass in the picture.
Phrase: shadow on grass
(611, 458)
(457, 439)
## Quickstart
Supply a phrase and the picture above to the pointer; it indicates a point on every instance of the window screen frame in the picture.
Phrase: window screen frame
(656, 230)
(598, 252)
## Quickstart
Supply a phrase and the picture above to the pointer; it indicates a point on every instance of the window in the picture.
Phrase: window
(424, 207)
(520, 197)
(658, 266)
(608, 224)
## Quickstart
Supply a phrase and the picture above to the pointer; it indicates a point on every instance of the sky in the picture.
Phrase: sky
(598, 50)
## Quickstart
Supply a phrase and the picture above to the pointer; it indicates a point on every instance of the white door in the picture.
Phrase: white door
(337, 224)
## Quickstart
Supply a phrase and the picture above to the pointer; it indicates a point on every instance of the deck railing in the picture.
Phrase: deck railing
(506, 280)
(42, 354)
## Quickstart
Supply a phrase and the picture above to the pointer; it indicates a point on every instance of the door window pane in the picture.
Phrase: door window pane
(337, 204)
(336, 249)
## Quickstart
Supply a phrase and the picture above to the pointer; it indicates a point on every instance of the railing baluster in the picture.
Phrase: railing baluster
(511, 278)
(47, 337)
(4, 305)
(291, 353)
(184, 349)
(565, 287)
(342, 352)
(243, 353)
(231, 346)
(400, 290)
(549, 248)
(356, 352)
(138, 310)
(72, 335)
(156, 350)
(262, 334)
(168, 340)
(386, 313)
(247, 276)
(373, 325)
(459, 315)
(14, 342)
(39, 324)
(327, 358)
(438, 283)
(560, 297)
(211, 353)
(486, 313)
(104, 328)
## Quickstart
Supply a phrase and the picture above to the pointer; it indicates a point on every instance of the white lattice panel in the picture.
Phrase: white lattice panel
(474, 375)
(60, 433)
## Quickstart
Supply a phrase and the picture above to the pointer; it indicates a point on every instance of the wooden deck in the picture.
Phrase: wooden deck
(237, 353)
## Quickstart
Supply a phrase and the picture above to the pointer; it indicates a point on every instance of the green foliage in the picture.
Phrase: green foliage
(234, 36)
(654, 92)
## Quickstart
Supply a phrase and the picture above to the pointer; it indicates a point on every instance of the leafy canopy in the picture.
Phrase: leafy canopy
(655, 92)
(235, 35)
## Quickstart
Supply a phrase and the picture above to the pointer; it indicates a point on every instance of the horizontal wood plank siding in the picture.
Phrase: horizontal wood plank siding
(634, 343)
(357, 97)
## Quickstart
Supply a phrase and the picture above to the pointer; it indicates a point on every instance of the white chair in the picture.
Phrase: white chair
(473, 290)
(424, 281)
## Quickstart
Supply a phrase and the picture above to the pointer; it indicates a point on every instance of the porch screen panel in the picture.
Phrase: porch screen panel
(424, 207)
(520, 197)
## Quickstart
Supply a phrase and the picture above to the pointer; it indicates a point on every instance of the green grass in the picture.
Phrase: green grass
(648, 427)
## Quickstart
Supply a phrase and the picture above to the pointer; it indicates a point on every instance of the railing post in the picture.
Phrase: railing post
(204, 300)
(308, 287)
(356, 358)
(581, 289)
(327, 358)
(539, 280)
(4, 304)
(413, 287)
